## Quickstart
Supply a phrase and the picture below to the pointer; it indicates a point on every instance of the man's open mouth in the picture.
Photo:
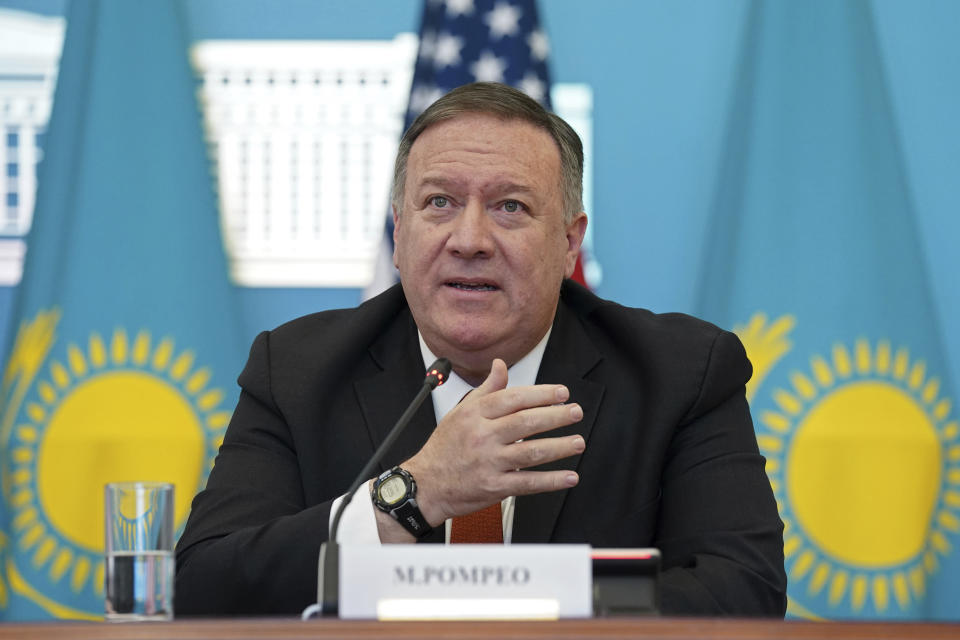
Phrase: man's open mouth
(472, 286)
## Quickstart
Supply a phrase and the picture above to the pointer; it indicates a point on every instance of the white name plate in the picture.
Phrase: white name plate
(465, 581)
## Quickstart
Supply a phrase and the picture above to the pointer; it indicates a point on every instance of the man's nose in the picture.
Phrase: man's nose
(471, 236)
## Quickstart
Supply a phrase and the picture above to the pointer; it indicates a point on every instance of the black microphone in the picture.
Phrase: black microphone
(328, 583)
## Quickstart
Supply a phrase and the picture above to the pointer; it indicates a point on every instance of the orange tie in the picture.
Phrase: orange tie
(481, 526)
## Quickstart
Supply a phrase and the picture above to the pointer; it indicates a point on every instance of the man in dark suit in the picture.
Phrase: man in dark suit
(585, 421)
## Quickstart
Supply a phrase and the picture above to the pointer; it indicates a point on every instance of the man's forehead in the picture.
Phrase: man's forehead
(476, 125)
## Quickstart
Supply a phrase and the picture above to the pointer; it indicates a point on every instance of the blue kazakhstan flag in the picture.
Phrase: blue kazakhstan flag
(123, 364)
(814, 258)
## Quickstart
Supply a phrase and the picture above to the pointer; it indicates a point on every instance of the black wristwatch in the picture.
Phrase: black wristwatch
(395, 492)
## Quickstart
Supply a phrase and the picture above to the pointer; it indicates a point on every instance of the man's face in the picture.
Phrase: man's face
(481, 244)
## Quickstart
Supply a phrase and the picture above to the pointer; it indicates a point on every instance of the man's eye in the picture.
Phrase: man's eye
(512, 206)
(439, 201)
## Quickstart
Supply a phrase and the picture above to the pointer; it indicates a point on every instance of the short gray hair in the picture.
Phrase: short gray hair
(506, 103)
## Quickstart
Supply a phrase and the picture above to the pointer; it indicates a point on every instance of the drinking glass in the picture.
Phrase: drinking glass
(139, 551)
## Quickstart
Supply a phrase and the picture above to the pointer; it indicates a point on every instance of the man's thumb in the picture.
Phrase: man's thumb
(497, 379)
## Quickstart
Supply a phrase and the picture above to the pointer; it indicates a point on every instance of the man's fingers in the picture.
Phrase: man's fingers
(530, 453)
(528, 422)
(507, 401)
(522, 483)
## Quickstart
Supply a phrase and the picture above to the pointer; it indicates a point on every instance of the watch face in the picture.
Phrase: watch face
(392, 490)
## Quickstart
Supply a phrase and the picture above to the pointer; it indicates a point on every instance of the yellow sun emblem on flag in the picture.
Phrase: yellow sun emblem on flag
(864, 460)
(118, 408)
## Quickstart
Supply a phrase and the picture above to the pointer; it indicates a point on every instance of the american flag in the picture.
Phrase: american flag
(464, 41)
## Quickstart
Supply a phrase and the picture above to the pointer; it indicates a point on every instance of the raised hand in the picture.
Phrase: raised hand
(477, 454)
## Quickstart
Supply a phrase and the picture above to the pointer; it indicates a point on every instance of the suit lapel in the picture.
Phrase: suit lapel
(385, 395)
(569, 357)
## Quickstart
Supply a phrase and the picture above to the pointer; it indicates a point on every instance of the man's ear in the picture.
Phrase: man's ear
(575, 233)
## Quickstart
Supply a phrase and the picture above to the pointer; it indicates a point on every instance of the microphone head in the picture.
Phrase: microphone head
(438, 373)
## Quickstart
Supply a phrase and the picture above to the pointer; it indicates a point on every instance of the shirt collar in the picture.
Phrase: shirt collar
(447, 395)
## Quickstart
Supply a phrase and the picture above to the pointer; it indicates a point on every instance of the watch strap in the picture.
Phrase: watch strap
(409, 516)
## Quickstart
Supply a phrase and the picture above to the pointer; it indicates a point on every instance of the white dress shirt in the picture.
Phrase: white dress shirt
(358, 525)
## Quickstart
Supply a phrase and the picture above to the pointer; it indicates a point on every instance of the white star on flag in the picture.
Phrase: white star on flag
(459, 8)
(539, 44)
(488, 68)
(504, 20)
(447, 51)
(428, 44)
(533, 86)
(423, 96)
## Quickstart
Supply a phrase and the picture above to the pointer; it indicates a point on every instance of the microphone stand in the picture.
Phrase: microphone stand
(328, 583)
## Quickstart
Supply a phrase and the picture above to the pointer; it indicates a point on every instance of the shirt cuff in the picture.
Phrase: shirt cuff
(358, 524)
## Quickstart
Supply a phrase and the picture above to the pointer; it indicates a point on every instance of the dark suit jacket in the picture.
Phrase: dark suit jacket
(671, 459)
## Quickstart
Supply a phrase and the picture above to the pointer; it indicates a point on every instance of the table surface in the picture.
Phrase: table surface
(677, 629)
